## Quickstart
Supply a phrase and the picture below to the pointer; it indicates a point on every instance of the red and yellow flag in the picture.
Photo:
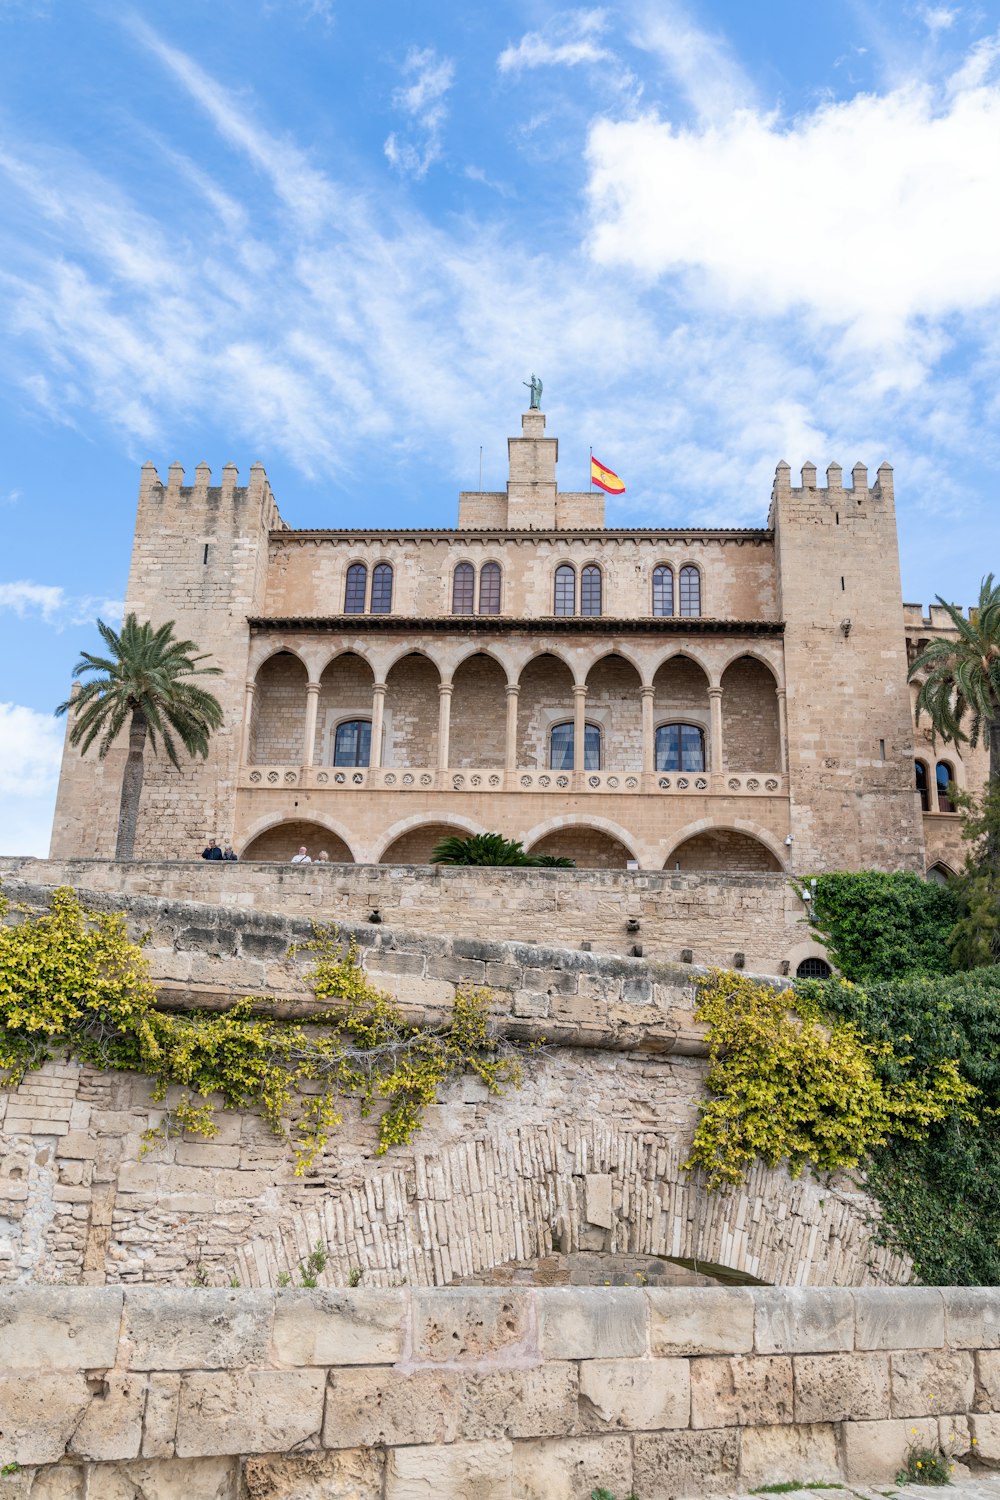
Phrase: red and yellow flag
(606, 478)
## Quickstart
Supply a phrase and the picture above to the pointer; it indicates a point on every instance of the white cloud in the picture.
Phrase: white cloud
(700, 62)
(30, 752)
(422, 100)
(571, 39)
(870, 214)
(55, 606)
(938, 17)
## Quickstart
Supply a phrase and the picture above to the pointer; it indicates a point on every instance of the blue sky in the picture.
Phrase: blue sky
(337, 237)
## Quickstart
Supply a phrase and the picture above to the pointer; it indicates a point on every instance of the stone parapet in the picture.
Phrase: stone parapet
(710, 916)
(521, 1392)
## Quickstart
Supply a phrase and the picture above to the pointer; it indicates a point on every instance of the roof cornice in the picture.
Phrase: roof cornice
(507, 625)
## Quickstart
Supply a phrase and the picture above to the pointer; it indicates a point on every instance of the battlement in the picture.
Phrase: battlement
(258, 488)
(934, 617)
(834, 488)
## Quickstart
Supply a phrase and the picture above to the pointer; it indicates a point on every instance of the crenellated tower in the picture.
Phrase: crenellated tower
(199, 558)
(850, 736)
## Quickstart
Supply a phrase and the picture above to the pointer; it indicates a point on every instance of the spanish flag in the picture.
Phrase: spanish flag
(606, 478)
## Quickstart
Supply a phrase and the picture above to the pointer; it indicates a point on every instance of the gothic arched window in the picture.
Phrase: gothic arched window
(353, 742)
(690, 591)
(663, 590)
(565, 596)
(489, 589)
(357, 587)
(680, 747)
(463, 590)
(590, 590)
(561, 739)
(382, 589)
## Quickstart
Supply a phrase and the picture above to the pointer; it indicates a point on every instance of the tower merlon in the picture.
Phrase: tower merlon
(859, 477)
(834, 477)
(230, 474)
(883, 486)
(176, 477)
(808, 476)
(202, 479)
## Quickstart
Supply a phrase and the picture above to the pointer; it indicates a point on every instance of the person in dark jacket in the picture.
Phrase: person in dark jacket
(213, 851)
(229, 852)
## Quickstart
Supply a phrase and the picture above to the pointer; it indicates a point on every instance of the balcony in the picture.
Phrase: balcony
(521, 780)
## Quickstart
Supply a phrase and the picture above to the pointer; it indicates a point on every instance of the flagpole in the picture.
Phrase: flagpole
(591, 468)
(480, 468)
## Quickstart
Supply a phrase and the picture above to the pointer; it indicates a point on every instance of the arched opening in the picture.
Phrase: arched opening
(411, 712)
(920, 777)
(679, 747)
(690, 591)
(478, 713)
(940, 874)
(944, 775)
(355, 589)
(588, 848)
(545, 699)
(564, 601)
(614, 703)
(345, 698)
(414, 847)
(278, 844)
(382, 589)
(750, 734)
(680, 696)
(724, 849)
(813, 968)
(663, 590)
(278, 722)
(590, 590)
(562, 739)
(463, 589)
(489, 589)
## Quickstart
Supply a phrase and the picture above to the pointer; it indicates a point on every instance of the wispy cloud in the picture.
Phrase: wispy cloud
(572, 38)
(700, 62)
(54, 606)
(30, 752)
(422, 100)
(938, 17)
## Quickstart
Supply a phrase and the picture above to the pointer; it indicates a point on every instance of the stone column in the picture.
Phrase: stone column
(378, 716)
(715, 748)
(782, 731)
(933, 801)
(247, 722)
(648, 734)
(579, 725)
(510, 750)
(312, 709)
(445, 690)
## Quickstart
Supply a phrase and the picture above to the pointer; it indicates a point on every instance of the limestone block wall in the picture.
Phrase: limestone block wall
(713, 915)
(520, 1394)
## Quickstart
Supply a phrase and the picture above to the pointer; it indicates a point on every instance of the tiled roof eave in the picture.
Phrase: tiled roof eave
(507, 625)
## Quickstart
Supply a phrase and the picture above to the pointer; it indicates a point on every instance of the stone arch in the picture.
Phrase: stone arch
(478, 735)
(456, 823)
(345, 692)
(262, 652)
(527, 1191)
(278, 716)
(751, 733)
(732, 851)
(614, 703)
(283, 838)
(680, 696)
(940, 872)
(474, 649)
(568, 826)
(415, 845)
(411, 710)
(546, 697)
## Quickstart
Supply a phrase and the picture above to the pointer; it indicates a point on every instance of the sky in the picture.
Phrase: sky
(336, 238)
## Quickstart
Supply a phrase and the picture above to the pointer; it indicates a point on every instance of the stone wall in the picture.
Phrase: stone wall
(712, 915)
(518, 1394)
(585, 1158)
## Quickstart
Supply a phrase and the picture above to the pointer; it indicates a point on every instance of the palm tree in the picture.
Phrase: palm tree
(143, 681)
(963, 677)
(492, 849)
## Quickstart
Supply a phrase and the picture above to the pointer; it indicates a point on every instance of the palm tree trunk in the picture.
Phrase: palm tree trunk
(994, 732)
(128, 812)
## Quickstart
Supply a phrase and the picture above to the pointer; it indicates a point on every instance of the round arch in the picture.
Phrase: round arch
(755, 655)
(336, 652)
(269, 652)
(457, 822)
(403, 653)
(689, 653)
(475, 650)
(559, 655)
(285, 837)
(601, 825)
(616, 652)
(735, 825)
(261, 825)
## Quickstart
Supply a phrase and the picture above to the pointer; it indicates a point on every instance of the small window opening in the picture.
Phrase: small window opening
(837, 516)
(204, 559)
(813, 968)
(881, 749)
(842, 585)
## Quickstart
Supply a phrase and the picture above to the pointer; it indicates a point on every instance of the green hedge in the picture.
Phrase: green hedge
(880, 927)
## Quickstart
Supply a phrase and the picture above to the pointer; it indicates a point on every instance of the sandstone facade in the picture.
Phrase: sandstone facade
(722, 700)
(547, 1393)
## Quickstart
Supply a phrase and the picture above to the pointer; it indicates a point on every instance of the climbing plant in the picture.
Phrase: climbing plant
(787, 1083)
(881, 926)
(72, 983)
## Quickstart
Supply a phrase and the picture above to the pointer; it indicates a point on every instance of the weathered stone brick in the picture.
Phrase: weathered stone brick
(741, 1392)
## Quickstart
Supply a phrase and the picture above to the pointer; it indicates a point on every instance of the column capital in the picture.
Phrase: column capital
(647, 690)
(250, 685)
(312, 687)
(780, 694)
(715, 692)
(580, 689)
(513, 688)
(446, 689)
(379, 687)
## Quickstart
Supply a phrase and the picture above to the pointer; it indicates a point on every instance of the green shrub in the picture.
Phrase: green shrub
(878, 926)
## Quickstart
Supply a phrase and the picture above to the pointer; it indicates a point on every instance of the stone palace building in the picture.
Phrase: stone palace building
(729, 699)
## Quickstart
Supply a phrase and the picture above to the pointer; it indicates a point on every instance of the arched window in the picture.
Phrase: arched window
(561, 747)
(680, 747)
(565, 600)
(663, 590)
(382, 589)
(357, 587)
(939, 874)
(944, 775)
(590, 590)
(463, 590)
(920, 773)
(353, 743)
(690, 591)
(489, 589)
(813, 968)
